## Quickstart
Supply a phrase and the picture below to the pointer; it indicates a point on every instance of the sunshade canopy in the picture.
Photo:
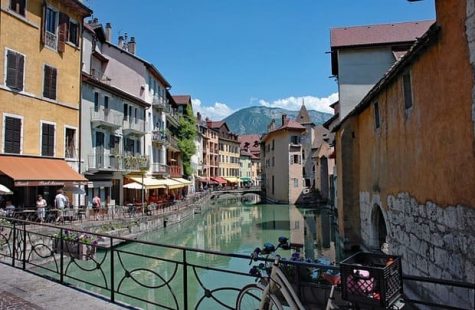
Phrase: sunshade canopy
(245, 179)
(33, 171)
(5, 190)
(220, 180)
(181, 180)
(133, 185)
(148, 182)
(232, 179)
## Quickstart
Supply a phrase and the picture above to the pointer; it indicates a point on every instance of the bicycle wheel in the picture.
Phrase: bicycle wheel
(250, 297)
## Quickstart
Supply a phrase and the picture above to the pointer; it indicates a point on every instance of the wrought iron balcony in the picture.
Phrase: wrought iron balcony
(51, 40)
(158, 168)
(159, 136)
(173, 142)
(159, 102)
(135, 162)
(104, 162)
(102, 117)
(133, 126)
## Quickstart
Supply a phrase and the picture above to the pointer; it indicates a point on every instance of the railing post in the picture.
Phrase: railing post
(61, 258)
(185, 281)
(24, 246)
(112, 270)
(14, 244)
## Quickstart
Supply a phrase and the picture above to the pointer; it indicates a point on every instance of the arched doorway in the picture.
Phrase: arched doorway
(378, 228)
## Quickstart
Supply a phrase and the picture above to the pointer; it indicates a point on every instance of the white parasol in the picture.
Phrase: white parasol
(5, 190)
(133, 185)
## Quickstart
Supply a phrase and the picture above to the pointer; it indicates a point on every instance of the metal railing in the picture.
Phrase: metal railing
(144, 274)
(106, 117)
(102, 161)
(159, 136)
(159, 168)
(134, 125)
(159, 102)
(175, 171)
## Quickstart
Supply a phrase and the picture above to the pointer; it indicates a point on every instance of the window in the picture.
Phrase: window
(138, 149)
(12, 133)
(303, 154)
(376, 115)
(272, 185)
(50, 25)
(73, 32)
(126, 109)
(49, 83)
(273, 144)
(296, 182)
(106, 102)
(18, 6)
(128, 146)
(136, 115)
(273, 161)
(294, 159)
(47, 139)
(15, 68)
(70, 143)
(96, 102)
(406, 78)
(114, 144)
(295, 139)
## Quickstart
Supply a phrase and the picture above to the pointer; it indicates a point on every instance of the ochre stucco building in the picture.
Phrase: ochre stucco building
(405, 156)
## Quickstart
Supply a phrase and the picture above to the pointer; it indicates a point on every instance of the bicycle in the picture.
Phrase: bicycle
(262, 295)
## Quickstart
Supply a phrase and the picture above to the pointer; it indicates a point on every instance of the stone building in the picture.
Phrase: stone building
(405, 157)
(40, 95)
(281, 155)
(250, 144)
(307, 140)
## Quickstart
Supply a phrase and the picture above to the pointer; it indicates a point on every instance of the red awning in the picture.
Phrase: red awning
(220, 180)
(32, 171)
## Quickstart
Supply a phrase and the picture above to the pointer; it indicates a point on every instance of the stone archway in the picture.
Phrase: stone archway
(379, 228)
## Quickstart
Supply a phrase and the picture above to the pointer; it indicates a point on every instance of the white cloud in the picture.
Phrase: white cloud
(215, 112)
(294, 103)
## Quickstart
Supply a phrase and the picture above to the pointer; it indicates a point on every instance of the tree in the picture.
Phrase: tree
(187, 132)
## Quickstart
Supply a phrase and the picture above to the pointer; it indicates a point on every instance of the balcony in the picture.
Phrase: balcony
(159, 136)
(51, 40)
(108, 118)
(134, 127)
(173, 142)
(175, 171)
(104, 162)
(159, 102)
(135, 162)
(172, 116)
(161, 169)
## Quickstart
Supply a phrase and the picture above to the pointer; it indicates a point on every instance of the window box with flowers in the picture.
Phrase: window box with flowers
(76, 245)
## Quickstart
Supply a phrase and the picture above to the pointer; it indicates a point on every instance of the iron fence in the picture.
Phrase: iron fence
(142, 273)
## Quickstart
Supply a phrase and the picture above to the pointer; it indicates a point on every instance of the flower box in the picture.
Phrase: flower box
(75, 249)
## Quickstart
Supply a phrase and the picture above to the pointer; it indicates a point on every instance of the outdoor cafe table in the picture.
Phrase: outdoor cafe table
(27, 215)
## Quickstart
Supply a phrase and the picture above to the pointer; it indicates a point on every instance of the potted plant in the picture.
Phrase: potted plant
(76, 245)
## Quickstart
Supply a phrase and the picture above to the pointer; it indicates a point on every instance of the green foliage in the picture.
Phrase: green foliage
(186, 139)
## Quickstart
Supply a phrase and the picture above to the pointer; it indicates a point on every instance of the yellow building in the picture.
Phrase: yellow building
(40, 95)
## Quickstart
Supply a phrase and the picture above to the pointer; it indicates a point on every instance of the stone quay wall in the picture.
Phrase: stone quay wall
(433, 241)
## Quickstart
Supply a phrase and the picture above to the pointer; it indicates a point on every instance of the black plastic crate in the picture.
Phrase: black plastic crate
(371, 279)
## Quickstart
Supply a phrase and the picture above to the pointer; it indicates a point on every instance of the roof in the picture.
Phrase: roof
(155, 72)
(182, 99)
(378, 34)
(253, 142)
(79, 7)
(303, 117)
(31, 171)
(426, 40)
(320, 133)
(215, 125)
(329, 122)
(289, 125)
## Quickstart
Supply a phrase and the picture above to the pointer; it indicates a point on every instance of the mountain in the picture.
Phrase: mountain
(254, 120)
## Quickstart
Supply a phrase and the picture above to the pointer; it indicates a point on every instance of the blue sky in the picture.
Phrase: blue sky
(230, 54)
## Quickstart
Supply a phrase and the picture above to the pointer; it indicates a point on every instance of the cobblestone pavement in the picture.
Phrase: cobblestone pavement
(25, 291)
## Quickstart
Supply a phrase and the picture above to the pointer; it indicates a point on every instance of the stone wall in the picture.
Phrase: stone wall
(433, 241)
(470, 33)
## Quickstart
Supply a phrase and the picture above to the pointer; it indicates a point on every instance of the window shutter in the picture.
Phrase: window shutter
(20, 60)
(53, 83)
(51, 141)
(12, 135)
(43, 23)
(46, 80)
(11, 69)
(63, 31)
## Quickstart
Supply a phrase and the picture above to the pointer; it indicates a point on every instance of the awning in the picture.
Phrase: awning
(133, 185)
(220, 180)
(245, 179)
(171, 183)
(32, 171)
(149, 183)
(181, 180)
(5, 190)
(232, 179)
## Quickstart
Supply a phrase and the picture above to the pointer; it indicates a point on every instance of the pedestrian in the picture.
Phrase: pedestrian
(40, 208)
(96, 205)
(60, 202)
(9, 208)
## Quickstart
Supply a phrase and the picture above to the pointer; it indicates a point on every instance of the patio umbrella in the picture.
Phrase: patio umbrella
(133, 185)
(5, 190)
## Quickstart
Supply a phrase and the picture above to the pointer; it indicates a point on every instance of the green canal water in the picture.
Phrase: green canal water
(228, 226)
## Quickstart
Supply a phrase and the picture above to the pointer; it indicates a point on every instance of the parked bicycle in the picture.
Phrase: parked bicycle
(274, 291)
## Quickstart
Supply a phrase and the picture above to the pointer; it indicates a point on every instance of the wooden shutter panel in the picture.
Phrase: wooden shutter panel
(63, 31)
(11, 69)
(46, 80)
(53, 83)
(20, 60)
(12, 135)
(51, 141)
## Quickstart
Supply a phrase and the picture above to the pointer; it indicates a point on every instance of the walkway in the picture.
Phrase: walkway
(23, 290)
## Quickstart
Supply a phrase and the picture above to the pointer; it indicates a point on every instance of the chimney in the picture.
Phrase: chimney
(108, 32)
(284, 119)
(131, 45)
(198, 116)
(121, 42)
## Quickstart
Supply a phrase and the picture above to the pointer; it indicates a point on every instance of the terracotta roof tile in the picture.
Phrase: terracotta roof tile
(378, 34)
(182, 99)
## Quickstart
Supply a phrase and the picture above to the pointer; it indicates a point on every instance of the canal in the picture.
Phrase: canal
(225, 225)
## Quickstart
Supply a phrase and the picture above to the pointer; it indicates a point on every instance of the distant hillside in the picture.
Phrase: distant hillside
(254, 120)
